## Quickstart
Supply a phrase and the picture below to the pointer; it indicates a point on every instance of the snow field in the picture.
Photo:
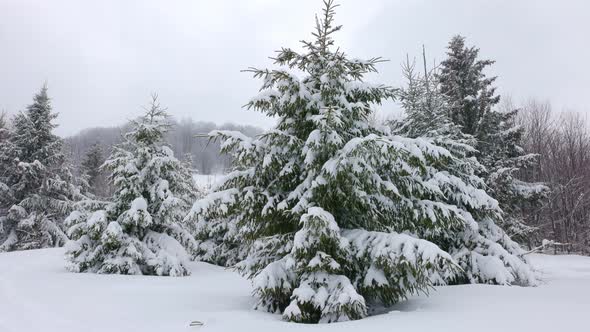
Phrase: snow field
(38, 294)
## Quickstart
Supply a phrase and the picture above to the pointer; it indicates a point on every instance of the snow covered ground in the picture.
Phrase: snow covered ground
(37, 294)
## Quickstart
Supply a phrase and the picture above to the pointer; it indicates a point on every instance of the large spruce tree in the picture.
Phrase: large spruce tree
(471, 99)
(140, 230)
(36, 186)
(330, 216)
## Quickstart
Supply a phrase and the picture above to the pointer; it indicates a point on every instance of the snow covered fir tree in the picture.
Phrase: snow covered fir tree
(37, 189)
(332, 217)
(140, 230)
(427, 111)
(472, 98)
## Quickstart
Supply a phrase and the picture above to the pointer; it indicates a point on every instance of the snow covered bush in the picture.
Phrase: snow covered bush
(330, 216)
(37, 190)
(140, 230)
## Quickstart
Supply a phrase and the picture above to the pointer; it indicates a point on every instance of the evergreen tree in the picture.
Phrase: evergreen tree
(505, 160)
(93, 172)
(36, 186)
(470, 92)
(427, 109)
(471, 97)
(140, 231)
(487, 244)
(330, 216)
(4, 167)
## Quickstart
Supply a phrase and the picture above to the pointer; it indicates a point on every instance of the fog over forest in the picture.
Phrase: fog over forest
(185, 137)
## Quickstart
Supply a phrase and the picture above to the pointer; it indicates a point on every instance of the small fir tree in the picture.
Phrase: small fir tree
(37, 189)
(140, 231)
(328, 215)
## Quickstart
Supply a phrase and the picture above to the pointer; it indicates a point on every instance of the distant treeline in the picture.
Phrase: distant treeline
(186, 138)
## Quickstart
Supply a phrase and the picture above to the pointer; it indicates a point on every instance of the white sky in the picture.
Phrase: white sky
(102, 59)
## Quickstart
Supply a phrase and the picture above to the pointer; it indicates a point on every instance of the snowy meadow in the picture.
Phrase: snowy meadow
(40, 295)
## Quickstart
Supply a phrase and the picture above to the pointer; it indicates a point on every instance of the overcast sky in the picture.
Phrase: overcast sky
(102, 59)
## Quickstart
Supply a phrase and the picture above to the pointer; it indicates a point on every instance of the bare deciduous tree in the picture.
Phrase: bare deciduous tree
(563, 141)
